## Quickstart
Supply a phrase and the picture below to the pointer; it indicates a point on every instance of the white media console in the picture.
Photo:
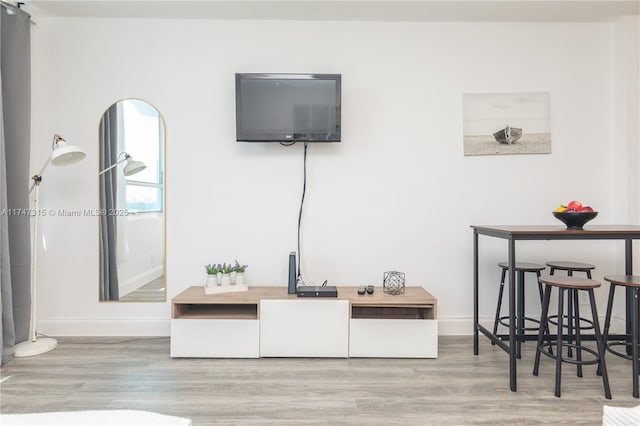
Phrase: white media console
(268, 322)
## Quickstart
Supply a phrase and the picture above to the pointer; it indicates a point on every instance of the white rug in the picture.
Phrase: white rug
(93, 418)
(620, 416)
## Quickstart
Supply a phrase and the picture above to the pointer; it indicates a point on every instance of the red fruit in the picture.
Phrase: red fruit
(574, 206)
(586, 209)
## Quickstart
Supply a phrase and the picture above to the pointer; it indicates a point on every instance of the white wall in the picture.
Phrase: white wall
(396, 194)
(144, 253)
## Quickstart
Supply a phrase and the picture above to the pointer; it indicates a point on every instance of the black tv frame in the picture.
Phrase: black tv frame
(290, 138)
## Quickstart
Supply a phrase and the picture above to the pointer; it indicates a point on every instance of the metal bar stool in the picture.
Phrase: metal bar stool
(572, 285)
(570, 268)
(632, 282)
(521, 269)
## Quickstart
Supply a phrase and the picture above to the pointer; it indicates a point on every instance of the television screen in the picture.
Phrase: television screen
(288, 107)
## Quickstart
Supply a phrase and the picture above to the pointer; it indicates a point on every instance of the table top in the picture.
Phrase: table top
(412, 295)
(559, 232)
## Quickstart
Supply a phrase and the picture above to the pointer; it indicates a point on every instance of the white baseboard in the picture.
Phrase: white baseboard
(617, 325)
(162, 326)
(455, 327)
(105, 327)
(135, 282)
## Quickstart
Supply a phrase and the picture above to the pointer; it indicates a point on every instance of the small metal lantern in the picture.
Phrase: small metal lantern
(393, 282)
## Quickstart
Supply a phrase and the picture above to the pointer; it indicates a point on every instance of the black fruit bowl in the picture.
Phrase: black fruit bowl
(575, 220)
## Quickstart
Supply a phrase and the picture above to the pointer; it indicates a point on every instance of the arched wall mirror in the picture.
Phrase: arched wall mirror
(132, 203)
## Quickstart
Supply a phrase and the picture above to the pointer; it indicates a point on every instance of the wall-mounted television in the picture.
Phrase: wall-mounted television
(288, 107)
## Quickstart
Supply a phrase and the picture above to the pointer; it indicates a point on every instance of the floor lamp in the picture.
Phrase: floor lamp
(62, 154)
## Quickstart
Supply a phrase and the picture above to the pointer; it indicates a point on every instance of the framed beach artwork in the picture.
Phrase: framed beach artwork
(506, 123)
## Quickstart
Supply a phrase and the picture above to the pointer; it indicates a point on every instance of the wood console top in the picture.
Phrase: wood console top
(413, 297)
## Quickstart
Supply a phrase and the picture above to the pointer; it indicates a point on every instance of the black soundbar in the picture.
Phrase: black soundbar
(317, 291)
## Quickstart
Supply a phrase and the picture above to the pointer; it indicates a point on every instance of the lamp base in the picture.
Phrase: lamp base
(40, 346)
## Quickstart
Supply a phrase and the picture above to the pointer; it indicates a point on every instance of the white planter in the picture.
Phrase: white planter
(226, 279)
(240, 279)
(212, 280)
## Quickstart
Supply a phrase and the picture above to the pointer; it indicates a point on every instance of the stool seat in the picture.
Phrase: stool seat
(524, 266)
(573, 266)
(568, 282)
(624, 280)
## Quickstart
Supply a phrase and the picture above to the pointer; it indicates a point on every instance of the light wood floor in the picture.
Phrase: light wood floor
(458, 388)
(153, 291)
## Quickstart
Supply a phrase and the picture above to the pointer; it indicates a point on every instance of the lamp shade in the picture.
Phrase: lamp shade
(64, 154)
(133, 167)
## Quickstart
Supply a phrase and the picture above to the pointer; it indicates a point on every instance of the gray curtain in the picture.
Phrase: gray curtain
(109, 286)
(15, 140)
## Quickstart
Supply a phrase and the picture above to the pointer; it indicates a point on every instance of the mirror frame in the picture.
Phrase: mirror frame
(163, 153)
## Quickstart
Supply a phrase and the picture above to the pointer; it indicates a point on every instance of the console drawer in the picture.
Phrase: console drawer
(393, 338)
(215, 338)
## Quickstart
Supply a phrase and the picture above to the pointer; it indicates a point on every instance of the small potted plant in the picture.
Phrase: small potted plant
(226, 273)
(212, 274)
(239, 270)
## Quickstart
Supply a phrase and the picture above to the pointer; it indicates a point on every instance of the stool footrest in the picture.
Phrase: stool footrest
(553, 319)
(574, 361)
(609, 348)
(505, 322)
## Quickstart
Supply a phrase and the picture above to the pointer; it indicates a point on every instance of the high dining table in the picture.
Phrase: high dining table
(513, 233)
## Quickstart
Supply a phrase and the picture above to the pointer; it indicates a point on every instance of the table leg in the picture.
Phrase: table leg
(512, 316)
(628, 270)
(520, 313)
(475, 292)
(634, 342)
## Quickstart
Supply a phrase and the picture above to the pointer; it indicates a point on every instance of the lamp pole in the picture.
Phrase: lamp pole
(61, 154)
(37, 179)
(35, 346)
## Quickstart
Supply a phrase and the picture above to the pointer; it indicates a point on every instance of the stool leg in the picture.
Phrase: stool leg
(543, 327)
(540, 289)
(600, 344)
(559, 342)
(546, 325)
(607, 320)
(577, 328)
(634, 340)
(499, 308)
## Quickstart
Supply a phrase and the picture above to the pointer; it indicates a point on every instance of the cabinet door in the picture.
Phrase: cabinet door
(393, 338)
(304, 328)
(214, 338)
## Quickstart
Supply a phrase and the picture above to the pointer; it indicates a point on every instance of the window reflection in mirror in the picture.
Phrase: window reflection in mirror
(132, 230)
